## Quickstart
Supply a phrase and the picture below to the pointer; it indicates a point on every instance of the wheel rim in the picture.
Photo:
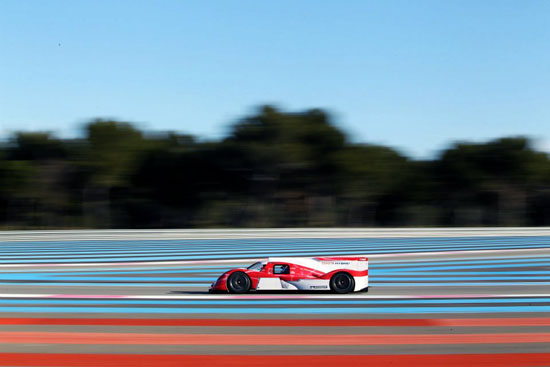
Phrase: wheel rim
(342, 282)
(238, 282)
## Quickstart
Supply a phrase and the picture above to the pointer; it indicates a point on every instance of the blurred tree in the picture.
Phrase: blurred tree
(291, 161)
(371, 179)
(39, 146)
(15, 192)
(44, 202)
(113, 151)
(495, 178)
(109, 157)
(274, 168)
(174, 179)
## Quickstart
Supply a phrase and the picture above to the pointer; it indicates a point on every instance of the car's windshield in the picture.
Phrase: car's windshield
(256, 266)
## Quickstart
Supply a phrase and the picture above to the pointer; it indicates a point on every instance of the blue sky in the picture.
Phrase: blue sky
(415, 75)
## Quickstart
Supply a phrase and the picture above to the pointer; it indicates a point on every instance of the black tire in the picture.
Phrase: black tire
(238, 282)
(342, 283)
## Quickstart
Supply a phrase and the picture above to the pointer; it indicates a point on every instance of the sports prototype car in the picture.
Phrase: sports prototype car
(337, 274)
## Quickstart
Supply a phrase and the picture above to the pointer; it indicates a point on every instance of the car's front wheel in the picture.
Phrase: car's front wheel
(238, 282)
(342, 283)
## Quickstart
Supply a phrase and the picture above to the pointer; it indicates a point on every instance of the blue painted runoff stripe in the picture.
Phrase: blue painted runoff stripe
(4, 277)
(134, 270)
(431, 277)
(278, 310)
(260, 252)
(481, 274)
(152, 284)
(233, 255)
(260, 241)
(459, 267)
(209, 275)
(185, 249)
(252, 302)
(458, 262)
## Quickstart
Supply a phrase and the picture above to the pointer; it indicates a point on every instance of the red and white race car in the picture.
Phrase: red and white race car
(338, 274)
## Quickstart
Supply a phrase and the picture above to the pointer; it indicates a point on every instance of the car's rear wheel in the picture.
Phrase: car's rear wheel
(238, 282)
(342, 283)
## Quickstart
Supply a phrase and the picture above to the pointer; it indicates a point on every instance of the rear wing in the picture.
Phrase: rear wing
(343, 258)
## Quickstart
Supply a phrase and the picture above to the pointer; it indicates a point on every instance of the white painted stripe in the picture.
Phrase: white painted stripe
(178, 234)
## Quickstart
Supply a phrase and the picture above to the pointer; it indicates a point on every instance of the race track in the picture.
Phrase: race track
(433, 301)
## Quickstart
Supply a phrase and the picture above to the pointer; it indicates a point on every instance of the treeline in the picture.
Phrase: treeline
(274, 169)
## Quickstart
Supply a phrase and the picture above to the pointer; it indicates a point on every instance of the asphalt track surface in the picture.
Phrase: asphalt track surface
(449, 301)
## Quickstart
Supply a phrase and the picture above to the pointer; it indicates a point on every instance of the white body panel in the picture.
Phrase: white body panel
(289, 286)
(312, 284)
(271, 284)
(322, 265)
(361, 283)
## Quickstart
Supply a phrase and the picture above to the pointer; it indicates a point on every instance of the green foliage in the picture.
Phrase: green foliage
(113, 148)
(273, 169)
(369, 171)
(15, 189)
(36, 146)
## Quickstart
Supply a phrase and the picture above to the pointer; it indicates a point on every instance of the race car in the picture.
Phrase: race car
(337, 274)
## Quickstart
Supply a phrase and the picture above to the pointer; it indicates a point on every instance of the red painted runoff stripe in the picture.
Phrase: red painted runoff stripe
(221, 322)
(421, 360)
(12, 337)
(521, 321)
